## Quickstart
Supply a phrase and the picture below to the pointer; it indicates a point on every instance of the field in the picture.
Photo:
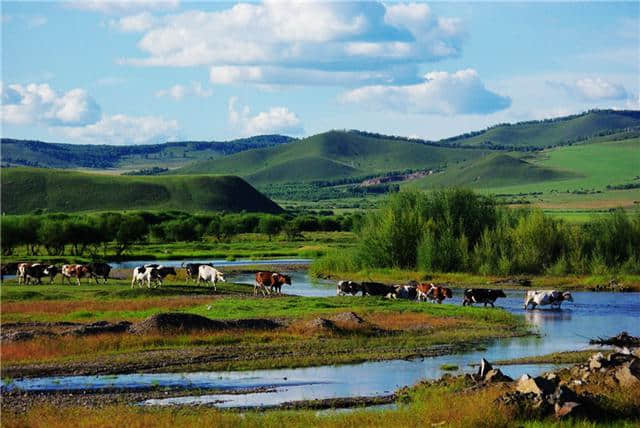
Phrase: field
(27, 189)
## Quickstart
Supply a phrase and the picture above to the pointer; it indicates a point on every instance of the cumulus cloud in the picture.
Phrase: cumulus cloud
(133, 23)
(593, 89)
(277, 120)
(441, 92)
(178, 92)
(261, 42)
(121, 129)
(123, 6)
(40, 104)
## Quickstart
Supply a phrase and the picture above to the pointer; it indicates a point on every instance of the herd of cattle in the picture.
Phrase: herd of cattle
(271, 282)
(436, 293)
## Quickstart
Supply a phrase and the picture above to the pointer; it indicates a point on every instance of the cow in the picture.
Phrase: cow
(347, 287)
(162, 271)
(207, 273)
(99, 270)
(438, 294)
(35, 271)
(192, 269)
(273, 280)
(422, 290)
(145, 273)
(409, 292)
(79, 271)
(377, 289)
(544, 297)
(22, 272)
(51, 271)
(481, 295)
(8, 269)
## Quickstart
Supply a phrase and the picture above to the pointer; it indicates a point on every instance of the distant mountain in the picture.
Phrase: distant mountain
(552, 132)
(495, 170)
(59, 155)
(27, 189)
(333, 155)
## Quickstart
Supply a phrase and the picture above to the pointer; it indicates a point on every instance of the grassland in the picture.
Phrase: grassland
(28, 189)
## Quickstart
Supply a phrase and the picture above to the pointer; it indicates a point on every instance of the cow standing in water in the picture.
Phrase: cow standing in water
(541, 298)
(273, 280)
(434, 293)
(481, 295)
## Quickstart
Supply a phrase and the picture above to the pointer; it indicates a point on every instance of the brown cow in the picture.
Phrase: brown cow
(438, 294)
(79, 271)
(273, 280)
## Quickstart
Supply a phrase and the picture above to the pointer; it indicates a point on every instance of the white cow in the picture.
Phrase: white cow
(546, 297)
(142, 274)
(210, 274)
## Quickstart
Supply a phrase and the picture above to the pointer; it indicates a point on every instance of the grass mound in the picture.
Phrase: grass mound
(185, 322)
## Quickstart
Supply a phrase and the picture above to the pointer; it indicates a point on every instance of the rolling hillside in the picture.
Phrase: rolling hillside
(332, 155)
(552, 132)
(27, 189)
(57, 155)
(495, 170)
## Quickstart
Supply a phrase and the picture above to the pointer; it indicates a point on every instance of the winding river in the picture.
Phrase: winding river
(590, 315)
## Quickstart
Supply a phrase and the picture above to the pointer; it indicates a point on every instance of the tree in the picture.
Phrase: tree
(132, 229)
(270, 225)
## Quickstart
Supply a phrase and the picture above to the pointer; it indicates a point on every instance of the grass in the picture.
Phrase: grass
(27, 189)
(568, 357)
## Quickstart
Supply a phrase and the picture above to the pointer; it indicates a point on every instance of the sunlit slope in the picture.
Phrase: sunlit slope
(27, 189)
(332, 155)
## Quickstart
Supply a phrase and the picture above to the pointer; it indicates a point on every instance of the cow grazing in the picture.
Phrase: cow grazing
(544, 297)
(409, 292)
(99, 270)
(481, 295)
(347, 287)
(8, 269)
(377, 289)
(273, 280)
(207, 273)
(77, 271)
(192, 270)
(438, 294)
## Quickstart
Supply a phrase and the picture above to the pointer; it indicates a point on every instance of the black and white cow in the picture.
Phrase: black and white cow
(347, 287)
(481, 295)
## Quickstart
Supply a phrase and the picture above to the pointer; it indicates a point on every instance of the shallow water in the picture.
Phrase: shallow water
(591, 315)
(219, 263)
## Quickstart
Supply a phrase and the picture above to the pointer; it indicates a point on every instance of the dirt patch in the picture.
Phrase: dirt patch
(171, 322)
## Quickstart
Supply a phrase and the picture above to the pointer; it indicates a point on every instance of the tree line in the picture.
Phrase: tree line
(94, 234)
(456, 230)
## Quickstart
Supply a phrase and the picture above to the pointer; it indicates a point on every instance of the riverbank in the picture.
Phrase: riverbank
(578, 396)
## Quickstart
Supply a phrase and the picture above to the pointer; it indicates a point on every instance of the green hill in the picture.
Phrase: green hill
(332, 155)
(58, 155)
(495, 170)
(27, 189)
(552, 132)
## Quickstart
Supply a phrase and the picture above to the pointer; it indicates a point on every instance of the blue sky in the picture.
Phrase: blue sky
(144, 71)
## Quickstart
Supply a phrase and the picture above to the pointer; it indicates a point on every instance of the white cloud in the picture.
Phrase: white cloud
(133, 23)
(277, 120)
(178, 92)
(40, 104)
(123, 6)
(121, 129)
(359, 39)
(442, 93)
(593, 89)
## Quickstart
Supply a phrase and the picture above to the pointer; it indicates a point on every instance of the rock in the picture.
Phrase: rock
(538, 385)
(567, 409)
(629, 374)
(596, 361)
(485, 367)
(495, 375)
(564, 394)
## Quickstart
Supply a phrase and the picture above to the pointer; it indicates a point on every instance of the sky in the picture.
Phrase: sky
(141, 72)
